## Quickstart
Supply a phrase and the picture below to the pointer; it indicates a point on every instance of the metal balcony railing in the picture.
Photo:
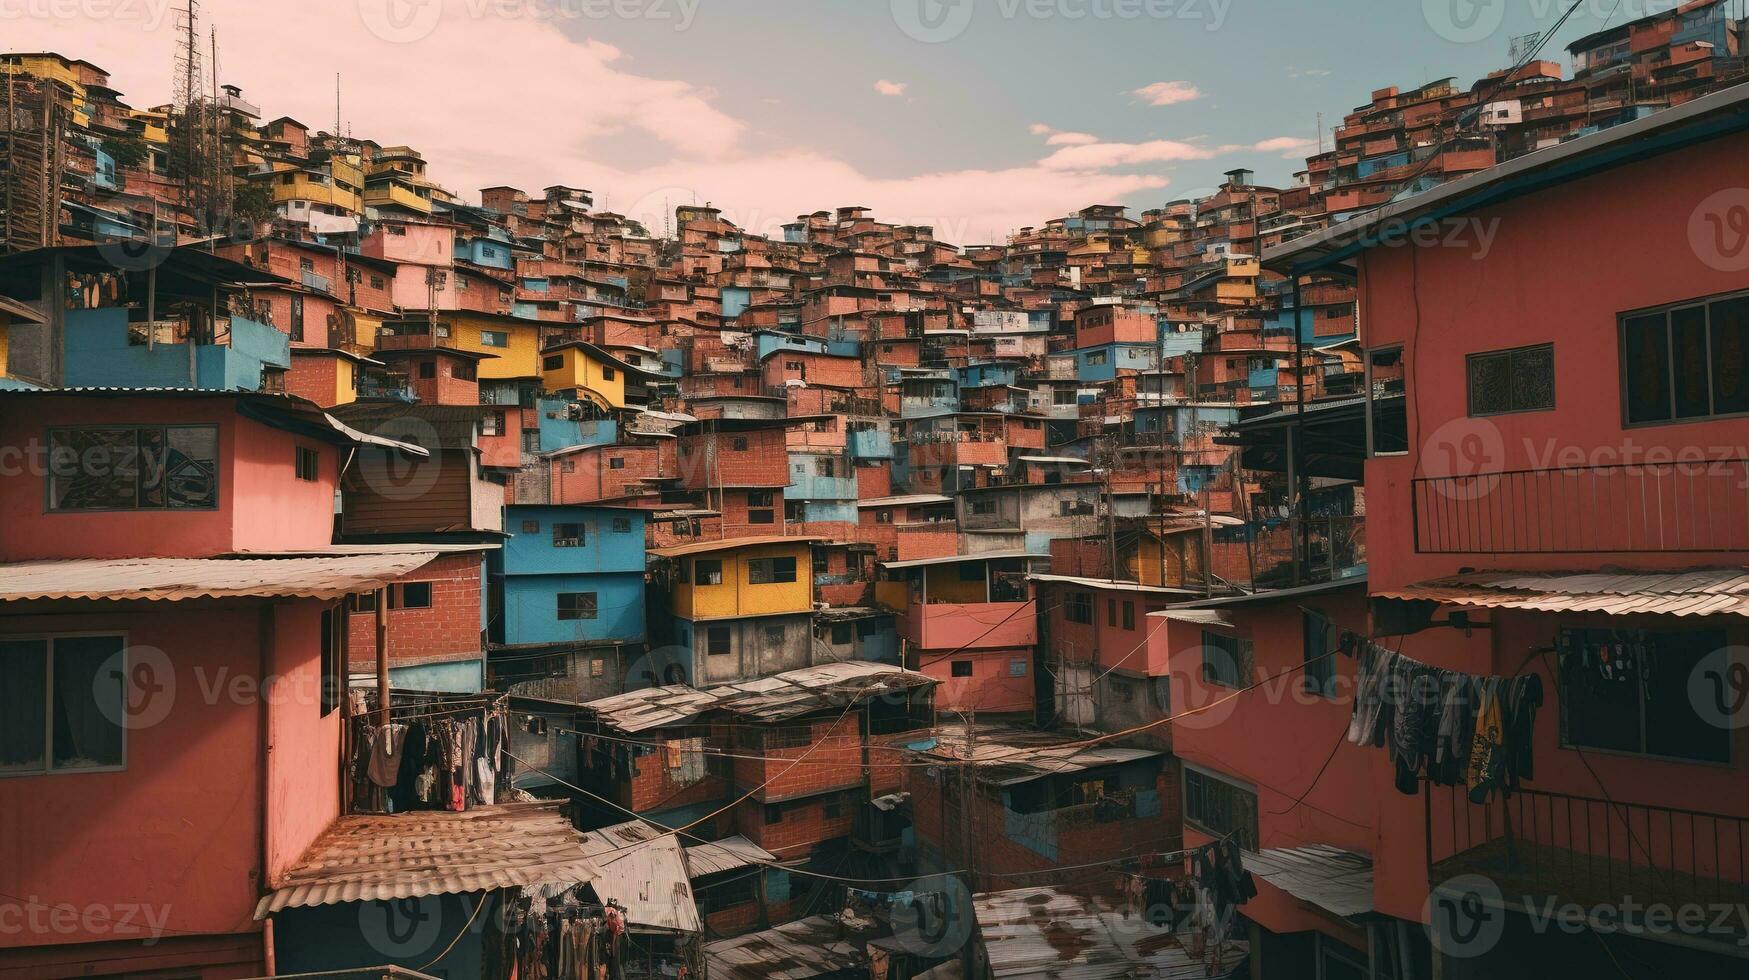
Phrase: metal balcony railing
(1633, 507)
(1536, 845)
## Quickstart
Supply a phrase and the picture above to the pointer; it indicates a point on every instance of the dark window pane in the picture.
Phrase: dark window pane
(1731, 355)
(1533, 379)
(23, 674)
(89, 700)
(1489, 379)
(1688, 342)
(1674, 726)
(1647, 369)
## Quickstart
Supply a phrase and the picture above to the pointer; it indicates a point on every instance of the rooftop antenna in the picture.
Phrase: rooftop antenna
(1320, 134)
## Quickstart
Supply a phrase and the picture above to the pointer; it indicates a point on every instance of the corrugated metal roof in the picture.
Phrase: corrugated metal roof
(1702, 592)
(1106, 583)
(727, 854)
(705, 547)
(372, 857)
(643, 868)
(1338, 881)
(1039, 933)
(1005, 756)
(786, 695)
(173, 579)
(957, 559)
(908, 500)
(817, 946)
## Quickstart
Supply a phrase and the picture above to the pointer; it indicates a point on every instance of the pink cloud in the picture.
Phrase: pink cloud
(887, 88)
(1103, 156)
(1071, 139)
(1168, 93)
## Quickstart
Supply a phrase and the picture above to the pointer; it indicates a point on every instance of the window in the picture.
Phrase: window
(410, 595)
(1521, 380)
(307, 463)
(1226, 660)
(1111, 613)
(1078, 608)
(622, 525)
(1218, 807)
(980, 507)
(427, 369)
(463, 371)
(1686, 362)
(774, 636)
(1017, 668)
(1390, 425)
(716, 639)
(531, 441)
(971, 571)
(362, 602)
(1623, 691)
(1320, 642)
(569, 535)
(841, 634)
(63, 703)
(494, 338)
(962, 668)
(738, 444)
(616, 463)
(708, 571)
(134, 468)
(552, 362)
(825, 466)
(377, 282)
(306, 265)
(883, 517)
(773, 813)
(832, 809)
(576, 605)
(607, 374)
(770, 571)
(492, 424)
(1096, 358)
(1129, 615)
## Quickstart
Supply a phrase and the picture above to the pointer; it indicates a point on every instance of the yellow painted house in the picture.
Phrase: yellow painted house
(739, 577)
(510, 344)
(590, 371)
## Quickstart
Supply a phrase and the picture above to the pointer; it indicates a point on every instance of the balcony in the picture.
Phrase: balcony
(1536, 845)
(1628, 508)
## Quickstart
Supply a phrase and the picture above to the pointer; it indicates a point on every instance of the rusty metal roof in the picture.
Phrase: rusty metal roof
(1005, 756)
(818, 946)
(643, 868)
(1039, 933)
(1702, 592)
(728, 854)
(173, 579)
(372, 857)
(787, 695)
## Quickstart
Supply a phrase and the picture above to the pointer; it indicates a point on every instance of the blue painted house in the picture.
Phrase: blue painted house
(569, 577)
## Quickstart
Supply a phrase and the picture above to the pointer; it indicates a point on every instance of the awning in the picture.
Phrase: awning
(174, 579)
(1702, 592)
(374, 857)
(1337, 881)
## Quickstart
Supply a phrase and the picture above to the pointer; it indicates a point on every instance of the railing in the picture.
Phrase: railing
(1536, 845)
(1633, 507)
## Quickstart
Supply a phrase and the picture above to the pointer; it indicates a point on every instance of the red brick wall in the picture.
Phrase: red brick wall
(833, 761)
(764, 463)
(874, 480)
(804, 824)
(588, 475)
(449, 630)
(312, 377)
(443, 389)
(928, 541)
(816, 369)
(655, 786)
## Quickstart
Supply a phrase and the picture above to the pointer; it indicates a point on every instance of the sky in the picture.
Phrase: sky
(975, 116)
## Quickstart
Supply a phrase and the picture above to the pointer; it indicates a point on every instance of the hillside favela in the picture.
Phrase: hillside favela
(874, 489)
